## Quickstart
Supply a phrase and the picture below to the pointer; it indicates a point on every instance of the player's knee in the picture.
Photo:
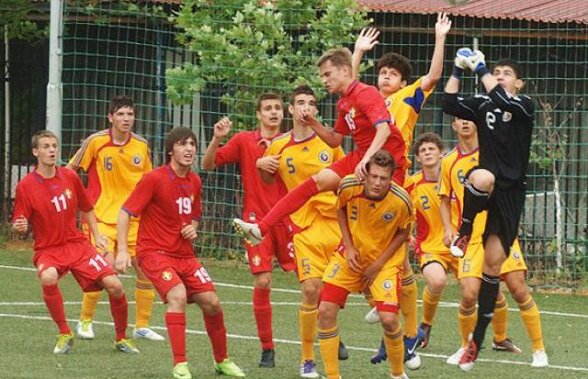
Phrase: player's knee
(389, 321)
(482, 180)
(113, 286)
(436, 284)
(519, 292)
(263, 281)
(311, 291)
(49, 277)
(176, 298)
(327, 314)
(469, 296)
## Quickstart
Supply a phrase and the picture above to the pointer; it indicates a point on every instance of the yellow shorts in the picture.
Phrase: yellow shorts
(385, 287)
(445, 259)
(314, 247)
(471, 266)
(109, 230)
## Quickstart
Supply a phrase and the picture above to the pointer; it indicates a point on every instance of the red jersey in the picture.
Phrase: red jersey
(246, 148)
(166, 203)
(50, 205)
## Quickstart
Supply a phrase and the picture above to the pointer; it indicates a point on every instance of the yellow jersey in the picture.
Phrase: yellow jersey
(454, 166)
(113, 170)
(429, 227)
(405, 106)
(373, 223)
(299, 161)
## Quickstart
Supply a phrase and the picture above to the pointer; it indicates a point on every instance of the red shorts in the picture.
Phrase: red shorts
(347, 165)
(166, 272)
(277, 243)
(85, 263)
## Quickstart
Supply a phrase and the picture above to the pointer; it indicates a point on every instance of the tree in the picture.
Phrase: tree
(14, 14)
(250, 48)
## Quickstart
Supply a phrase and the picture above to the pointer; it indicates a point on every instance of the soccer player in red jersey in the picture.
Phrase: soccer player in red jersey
(168, 200)
(245, 148)
(362, 113)
(48, 199)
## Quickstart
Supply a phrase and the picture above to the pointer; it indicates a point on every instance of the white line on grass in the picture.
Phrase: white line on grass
(286, 290)
(255, 338)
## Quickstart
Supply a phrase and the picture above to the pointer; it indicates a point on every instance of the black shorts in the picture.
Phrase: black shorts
(504, 214)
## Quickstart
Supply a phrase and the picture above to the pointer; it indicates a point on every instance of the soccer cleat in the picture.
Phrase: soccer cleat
(411, 358)
(372, 317)
(229, 368)
(507, 345)
(455, 357)
(248, 231)
(403, 376)
(147, 334)
(381, 355)
(414, 363)
(342, 354)
(267, 358)
(126, 346)
(426, 328)
(539, 359)
(308, 369)
(182, 371)
(469, 356)
(459, 245)
(63, 344)
(84, 330)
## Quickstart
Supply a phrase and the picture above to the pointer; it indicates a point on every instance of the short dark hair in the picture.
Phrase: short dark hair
(120, 101)
(425, 138)
(340, 57)
(42, 134)
(398, 62)
(382, 158)
(267, 96)
(178, 134)
(301, 90)
(516, 67)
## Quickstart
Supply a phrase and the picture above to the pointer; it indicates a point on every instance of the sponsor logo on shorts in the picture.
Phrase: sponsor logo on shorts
(166, 275)
(256, 260)
(388, 216)
(506, 116)
(387, 284)
(137, 159)
(324, 156)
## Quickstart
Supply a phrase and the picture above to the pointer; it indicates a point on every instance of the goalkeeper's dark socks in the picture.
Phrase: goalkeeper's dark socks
(486, 303)
(54, 302)
(474, 202)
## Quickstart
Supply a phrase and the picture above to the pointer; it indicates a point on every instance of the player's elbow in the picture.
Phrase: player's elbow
(207, 165)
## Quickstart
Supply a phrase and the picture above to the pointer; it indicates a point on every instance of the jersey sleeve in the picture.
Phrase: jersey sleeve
(415, 96)
(197, 203)
(445, 178)
(521, 107)
(346, 191)
(22, 206)
(341, 125)
(141, 195)
(407, 212)
(85, 155)
(230, 152)
(84, 202)
(371, 103)
(148, 167)
(462, 108)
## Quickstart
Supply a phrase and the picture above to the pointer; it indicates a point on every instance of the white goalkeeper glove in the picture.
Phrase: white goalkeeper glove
(477, 63)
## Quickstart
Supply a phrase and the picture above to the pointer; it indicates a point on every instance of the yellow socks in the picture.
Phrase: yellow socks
(395, 349)
(408, 303)
(307, 318)
(430, 302)
(500, 319)
(89, 302)
(532, 321)
(329, 347)
(467, 318)
(144, 296)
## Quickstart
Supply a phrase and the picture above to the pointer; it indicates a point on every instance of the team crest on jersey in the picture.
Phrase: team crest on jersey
(387, 285)
(516, 256)
(67, 193)
(324, 156)
(256, 260)
(388, 216)
(506, 117)
(166, 275)
(137, 159)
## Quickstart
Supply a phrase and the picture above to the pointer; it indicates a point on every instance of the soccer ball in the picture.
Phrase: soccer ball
(456, 2)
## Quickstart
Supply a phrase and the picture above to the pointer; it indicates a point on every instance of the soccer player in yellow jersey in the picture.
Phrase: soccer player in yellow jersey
(115, 160)
(367, 259)
(404, 101)
(293, 158)
(454, 168)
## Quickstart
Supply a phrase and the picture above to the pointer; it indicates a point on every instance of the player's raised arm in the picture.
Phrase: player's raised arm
(221, 131)
(328, 135)
(442, 27)
(366, 40)
(382, 134)
(452, 104)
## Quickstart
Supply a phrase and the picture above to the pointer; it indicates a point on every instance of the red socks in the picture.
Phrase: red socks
(176, 330)
(119, 312)
(217, 332)
(54, 302)
(262, 309)
(289, 204)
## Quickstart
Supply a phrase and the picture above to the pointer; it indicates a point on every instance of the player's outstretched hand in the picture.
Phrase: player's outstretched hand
(269, 164)
(476, 62)
(122, 261)
(222, 128)
(189, 232)
(461, 56)
(361, 169)
(443, 25)
(20, 224)
(448, 238)
(352, 256)
(367, 39)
